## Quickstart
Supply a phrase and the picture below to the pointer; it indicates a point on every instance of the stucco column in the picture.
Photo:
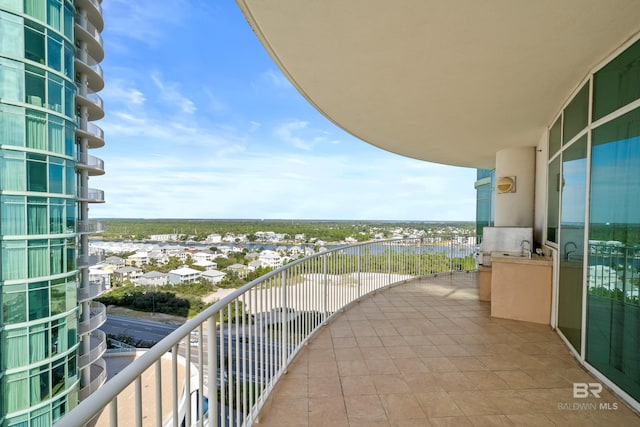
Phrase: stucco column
(515, 209)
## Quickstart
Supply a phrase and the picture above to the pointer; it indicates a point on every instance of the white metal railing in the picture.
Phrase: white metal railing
(613, 271)
(83, 261)
(242, 344)
(91, 162)
(98, 378)
(97, 316)
(91, 291)
(90, 225)
(90, 194)
(89, 28)
(97, 344)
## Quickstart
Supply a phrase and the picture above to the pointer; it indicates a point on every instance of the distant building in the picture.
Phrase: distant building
(240, 269)
(271, 259)
(207, 265)
(184, 275)
(138, 259)
(126, 273)
(115, 261)
(214, 276)
(152, 278)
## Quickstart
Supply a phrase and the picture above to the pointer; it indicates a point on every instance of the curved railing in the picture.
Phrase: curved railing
(248, 338)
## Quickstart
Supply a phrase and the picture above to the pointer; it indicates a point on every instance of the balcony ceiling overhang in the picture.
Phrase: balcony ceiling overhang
(451, 82)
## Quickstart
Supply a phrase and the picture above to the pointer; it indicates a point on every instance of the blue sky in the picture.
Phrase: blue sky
(200, 123)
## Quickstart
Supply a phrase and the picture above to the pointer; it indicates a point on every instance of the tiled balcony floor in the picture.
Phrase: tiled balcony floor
(428, 353)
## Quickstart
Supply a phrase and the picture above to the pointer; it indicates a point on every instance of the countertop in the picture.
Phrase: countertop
(517, 258)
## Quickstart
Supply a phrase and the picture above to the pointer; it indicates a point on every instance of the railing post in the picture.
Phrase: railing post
(389, 267)
(285, 320)
(212, 382)
(325, 288)
(358, 272)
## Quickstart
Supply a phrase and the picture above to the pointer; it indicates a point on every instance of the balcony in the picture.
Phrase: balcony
(84, 261)
(97, 316)
(94, 11)
(93, 165)
(98, 378)
(93, 71)
(91, 291)
(90, 226)
(87, 32)
(90, 195)
(93, 133)
(94, 104)
(98, 345)
(382, 333)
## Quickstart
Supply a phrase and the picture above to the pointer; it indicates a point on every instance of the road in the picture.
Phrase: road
(137, 329)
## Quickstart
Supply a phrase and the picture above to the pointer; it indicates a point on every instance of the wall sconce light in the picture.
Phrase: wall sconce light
(506, 184)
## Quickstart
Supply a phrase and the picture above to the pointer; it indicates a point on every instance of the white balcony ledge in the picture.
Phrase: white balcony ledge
(94, 135)
(98, 378)
(97, 317)
(92, 164)
(98, 346)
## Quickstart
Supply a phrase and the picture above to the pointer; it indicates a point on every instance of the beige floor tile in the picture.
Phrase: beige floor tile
(357, 385)
(438, 404)
(428, 353)
(401, 407)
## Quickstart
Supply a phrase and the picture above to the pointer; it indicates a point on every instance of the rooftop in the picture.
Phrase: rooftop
(429, 353)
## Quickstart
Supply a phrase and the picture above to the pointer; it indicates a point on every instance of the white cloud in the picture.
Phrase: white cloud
(170, 93)
(118, 91)
(276, 78)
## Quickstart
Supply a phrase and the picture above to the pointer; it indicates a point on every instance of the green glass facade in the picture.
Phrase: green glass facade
(39, 377)
(484, 199)
(593, 219)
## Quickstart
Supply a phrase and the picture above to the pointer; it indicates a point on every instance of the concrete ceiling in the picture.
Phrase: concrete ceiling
(444, 81)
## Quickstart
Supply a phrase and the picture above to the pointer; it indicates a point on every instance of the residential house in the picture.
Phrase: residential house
(126, 273)
(213, 276)
(183, 275)
(152, 278)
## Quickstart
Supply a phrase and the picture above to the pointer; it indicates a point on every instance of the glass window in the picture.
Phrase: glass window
(72, 294)
(37, 220)
(15, 394)
(56, 216)
(613, 314)
(35, 8)
(576, 115)
(618, 83)
(13, 215)
(15, 5)
(573, 200)
(38, 342)
(40, 386)
(555, 137)
(12, 39)
(36, 130)
(34, 86)
(69, 13)
(36, 173)
(11, 122)
(11, 81)
(56, 134)
(69, 139)
(70, 179)
(71, 217)
(69, 100)
(15, 344)
(71, 255)
(57, 267)
(54, 14)
(54, 52)
(34, 44)
(14, 260)
(38, 301)
(553, 200)
(69, 53)
(56, 87)
(56, 175)
(72, 331)
(14, 304)
(12, 171)
(38, 258)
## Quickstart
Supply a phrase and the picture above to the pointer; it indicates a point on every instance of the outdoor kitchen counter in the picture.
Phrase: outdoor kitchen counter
(521, 287)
